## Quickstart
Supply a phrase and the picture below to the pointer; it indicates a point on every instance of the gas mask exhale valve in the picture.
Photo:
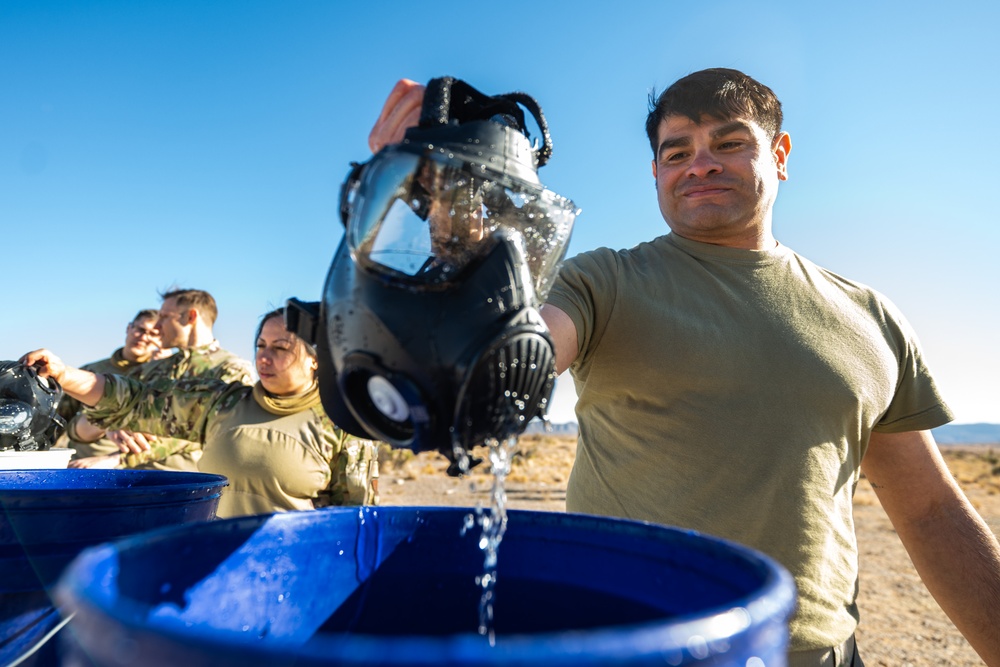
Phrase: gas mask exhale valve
(428, 334)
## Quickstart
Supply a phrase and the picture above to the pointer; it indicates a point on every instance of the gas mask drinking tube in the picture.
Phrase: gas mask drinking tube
(28, 402)
(428, 334)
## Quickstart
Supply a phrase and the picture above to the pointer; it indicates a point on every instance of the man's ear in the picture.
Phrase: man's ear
(192, 315)
(781, 148)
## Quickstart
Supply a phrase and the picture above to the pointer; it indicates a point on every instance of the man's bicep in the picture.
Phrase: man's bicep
(908, 473)
(564, 336)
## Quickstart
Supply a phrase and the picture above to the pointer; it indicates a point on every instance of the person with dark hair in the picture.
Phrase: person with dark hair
(142, 344)
(273, 441)
(184, 321)
(761, 387)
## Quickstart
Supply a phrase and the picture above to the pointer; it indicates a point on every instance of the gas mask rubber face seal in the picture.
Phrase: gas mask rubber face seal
(428, 334)
(28, 402)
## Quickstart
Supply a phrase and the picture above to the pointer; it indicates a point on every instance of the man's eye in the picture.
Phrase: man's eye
(675, 157)
(729, 145)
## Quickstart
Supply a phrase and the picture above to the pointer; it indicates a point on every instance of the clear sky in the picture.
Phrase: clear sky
(202, 144)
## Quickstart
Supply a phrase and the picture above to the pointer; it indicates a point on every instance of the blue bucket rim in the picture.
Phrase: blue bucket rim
(774, 600)
(43, 484)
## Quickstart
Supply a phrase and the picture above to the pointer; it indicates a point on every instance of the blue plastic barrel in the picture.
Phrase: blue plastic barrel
(396, 586)
(47, 517)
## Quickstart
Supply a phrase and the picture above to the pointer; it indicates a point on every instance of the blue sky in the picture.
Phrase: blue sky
(202, 144)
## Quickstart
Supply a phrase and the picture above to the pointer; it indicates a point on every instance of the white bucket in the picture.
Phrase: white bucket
(50, 458)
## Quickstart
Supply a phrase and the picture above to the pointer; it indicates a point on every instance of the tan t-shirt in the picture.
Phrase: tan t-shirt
(733, 392)
(273, 463)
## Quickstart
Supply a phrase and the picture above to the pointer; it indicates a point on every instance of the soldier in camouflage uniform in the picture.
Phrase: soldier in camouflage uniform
(142, 343)
(185, 321)
(273, 441)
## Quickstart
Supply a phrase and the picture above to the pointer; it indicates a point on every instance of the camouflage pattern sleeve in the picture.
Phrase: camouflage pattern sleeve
(234, 370)
(353, 469)
(181, 410)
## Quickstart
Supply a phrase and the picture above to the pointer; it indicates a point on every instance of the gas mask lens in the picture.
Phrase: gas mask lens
(423, 219)
(15, 416)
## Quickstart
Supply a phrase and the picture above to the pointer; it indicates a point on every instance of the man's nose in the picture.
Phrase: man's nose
(704, 164)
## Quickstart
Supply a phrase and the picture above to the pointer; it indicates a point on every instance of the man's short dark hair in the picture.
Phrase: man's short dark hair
(145, 314)
(198, 299)
(719, 93)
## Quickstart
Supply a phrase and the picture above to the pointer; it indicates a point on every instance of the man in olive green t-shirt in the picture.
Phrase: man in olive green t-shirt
(728, 384)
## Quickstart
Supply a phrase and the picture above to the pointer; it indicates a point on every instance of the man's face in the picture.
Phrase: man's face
(142, 340)
(455, 212)
(174, 324)
(716, 180)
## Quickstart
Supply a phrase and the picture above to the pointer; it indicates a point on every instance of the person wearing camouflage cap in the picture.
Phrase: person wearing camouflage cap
(185, 321)
(273, 441)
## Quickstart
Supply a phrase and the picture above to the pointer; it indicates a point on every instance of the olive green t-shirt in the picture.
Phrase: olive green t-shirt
(733, 392)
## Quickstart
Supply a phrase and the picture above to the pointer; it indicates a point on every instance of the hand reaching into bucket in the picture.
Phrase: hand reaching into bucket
(82, 385)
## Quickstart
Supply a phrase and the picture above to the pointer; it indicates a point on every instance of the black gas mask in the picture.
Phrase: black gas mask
(28, 402)
(428, 335)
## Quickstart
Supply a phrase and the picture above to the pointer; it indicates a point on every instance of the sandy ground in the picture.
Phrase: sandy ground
(901, 624)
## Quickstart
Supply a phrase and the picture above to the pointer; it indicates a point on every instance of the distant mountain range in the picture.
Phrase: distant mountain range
(536, 426)
(949, 434)
(967, 434)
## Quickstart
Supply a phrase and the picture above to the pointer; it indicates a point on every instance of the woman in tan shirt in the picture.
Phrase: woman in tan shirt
(273, 441)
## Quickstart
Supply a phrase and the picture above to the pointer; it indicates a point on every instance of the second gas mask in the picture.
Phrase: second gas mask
(28, 402)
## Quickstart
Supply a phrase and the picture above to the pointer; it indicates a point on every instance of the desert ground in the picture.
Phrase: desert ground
(901, 624)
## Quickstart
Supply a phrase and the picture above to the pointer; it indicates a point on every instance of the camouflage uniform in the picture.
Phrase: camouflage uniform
(274, 463)
(208, 362)
(70, 407)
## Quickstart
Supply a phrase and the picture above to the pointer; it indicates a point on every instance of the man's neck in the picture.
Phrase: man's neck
(198, 338)
(764, 241)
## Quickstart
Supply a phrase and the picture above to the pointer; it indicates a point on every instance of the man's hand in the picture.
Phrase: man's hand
(130, 442)
(46, 363)
(400, 111)
(82, 385)
(97, 462)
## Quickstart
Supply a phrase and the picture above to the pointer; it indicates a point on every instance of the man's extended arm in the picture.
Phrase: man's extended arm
(82, 385)
(563, 333)
(952, 548)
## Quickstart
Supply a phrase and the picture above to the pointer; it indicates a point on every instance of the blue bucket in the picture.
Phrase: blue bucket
(396, 586)
(47, 517)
